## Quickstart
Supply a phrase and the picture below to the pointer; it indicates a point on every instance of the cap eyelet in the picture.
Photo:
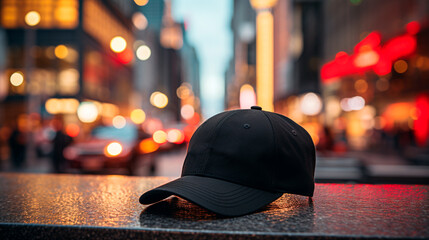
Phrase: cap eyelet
(294, 132)
(246, 126)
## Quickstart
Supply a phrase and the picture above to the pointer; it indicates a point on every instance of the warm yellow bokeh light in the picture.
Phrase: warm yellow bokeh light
(138, 116)
(184, 91)
(113, 149)
(64, 105)
(159, 136)
(118, 44)
(141, 2)
(159, 99)
(263, 4)
(61, 51)
(143, 52)
(32, 18)
(148, 146)
(53, 106)
(16, 79)
(119, 122)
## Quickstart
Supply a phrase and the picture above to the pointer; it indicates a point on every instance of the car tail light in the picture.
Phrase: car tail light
(148, 145)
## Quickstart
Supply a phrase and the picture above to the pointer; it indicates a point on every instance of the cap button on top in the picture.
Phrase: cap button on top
(256, 107)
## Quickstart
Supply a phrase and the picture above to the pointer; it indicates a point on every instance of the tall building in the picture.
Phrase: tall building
(61, 50)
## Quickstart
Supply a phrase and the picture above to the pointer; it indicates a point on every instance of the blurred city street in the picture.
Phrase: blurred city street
(124, 95)
(356, 167)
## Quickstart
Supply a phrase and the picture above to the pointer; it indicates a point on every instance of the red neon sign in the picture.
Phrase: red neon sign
(421, 124)
(369, 54)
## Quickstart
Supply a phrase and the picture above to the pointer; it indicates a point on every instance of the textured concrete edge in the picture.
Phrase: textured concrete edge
(42, 231)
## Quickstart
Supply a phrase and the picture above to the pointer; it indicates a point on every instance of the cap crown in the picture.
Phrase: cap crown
(254, 148)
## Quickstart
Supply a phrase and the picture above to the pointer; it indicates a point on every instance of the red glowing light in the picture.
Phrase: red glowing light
(125, 56)
(371, 41)
(400, 46)
(383, 66)
(421, 124)
(370, 55)
(413, 27)
(194, 120)
(189, 131)
(72, 130)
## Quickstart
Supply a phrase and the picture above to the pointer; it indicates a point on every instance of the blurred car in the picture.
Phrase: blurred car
(108, 148)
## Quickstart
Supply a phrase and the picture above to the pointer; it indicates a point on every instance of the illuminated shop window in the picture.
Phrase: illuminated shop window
(61, 14)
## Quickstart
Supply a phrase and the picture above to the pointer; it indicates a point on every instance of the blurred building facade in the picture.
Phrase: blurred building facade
(381, 103)
(61, 50)
(353, 73)
(114, 55)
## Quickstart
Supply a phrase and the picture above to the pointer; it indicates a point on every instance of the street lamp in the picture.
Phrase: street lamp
(264, 53)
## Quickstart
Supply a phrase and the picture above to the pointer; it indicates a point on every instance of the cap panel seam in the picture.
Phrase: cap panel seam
(215, 134)
(274, 142)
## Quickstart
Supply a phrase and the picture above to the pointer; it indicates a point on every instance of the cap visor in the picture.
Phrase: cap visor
(216, 195)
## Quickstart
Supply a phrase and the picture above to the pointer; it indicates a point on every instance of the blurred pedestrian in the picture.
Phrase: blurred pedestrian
(60, 142)
(17, 146)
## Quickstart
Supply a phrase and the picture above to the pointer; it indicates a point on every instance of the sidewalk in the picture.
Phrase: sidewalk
(370, 167)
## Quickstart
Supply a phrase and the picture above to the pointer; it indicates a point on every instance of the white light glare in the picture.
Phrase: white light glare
(354, 103)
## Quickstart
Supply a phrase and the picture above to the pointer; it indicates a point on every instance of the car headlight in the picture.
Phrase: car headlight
(113, 149)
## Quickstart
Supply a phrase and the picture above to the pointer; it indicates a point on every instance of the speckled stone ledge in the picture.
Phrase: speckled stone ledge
(43, 206)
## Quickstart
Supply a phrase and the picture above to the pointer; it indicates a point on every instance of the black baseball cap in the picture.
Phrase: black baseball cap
(241, 160)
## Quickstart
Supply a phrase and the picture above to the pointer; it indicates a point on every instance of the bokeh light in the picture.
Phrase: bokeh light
(32, 18)
(72, 130)
(311, 104)
(61, 51)
(119, 122)
(187, 111)
(118, 44)
(16, 79)
(113, 149)
(160, 137)
(159, 99)
(53, 106)
(247, 96)
(361, 86)
(141, 2)
(138, 116)
(184, 91)
(351, 104)
(175, 136)
(143, 52)
(400, 66)
(87, 112)
(148, 145)
(139, 21)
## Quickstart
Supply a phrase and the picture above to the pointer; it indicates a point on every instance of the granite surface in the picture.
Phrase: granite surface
(47, 206)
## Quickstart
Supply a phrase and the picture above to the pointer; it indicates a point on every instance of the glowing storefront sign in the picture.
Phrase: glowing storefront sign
(369, 54)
